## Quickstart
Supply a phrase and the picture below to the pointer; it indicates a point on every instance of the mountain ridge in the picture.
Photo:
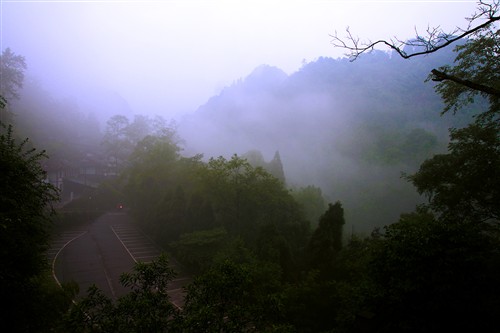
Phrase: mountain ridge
(346, 127)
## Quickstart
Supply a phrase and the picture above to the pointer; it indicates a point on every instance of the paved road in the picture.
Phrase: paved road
(98, 253)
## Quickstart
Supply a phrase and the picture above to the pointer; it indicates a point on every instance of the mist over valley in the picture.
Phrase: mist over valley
(348, 128)
(246, 166)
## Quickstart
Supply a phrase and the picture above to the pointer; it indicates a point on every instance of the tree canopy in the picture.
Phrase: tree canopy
(25, 223)
(12, 69)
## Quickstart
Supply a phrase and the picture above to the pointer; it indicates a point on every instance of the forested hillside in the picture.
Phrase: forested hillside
(349, 128)
(344, 197)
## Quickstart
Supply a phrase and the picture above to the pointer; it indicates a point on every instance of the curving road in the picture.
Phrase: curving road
(101, 251)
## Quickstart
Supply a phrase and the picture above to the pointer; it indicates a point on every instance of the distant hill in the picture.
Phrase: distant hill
(349, 128)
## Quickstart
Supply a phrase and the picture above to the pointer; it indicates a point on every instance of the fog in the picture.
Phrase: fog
(243, 75)
(169, 57)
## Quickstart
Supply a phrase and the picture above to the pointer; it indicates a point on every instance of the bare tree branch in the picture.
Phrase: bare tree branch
(435, 39)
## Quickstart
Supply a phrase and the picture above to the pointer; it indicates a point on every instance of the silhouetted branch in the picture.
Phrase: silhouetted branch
(434, 40)
(441, 76)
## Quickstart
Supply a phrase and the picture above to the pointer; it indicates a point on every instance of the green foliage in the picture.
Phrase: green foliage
(393, 147)
(311, 304)
(171, 196)
(12, 68)
(465, 182)
(274, 247)
(252, 204)
(197, 249)
(217, 301)
(436, 269)
(349, 127)
(433, 276)
(274, 167)
(233, 296)
(50, 303)
(153, 183)
(244, 197)
(25, 221)
(354, 284)
(419, 275)
(230, 184)
(122, 136)
(477, 61)
(326, 241)
(147, 308)
(116, 142)
(311, 199)
(199, 212)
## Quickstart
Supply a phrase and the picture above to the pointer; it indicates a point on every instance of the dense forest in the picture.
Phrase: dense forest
(346, 197)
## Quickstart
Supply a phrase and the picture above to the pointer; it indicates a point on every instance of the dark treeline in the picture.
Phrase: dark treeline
(267, 251)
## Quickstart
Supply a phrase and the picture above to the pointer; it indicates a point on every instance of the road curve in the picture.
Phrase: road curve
(101, 251)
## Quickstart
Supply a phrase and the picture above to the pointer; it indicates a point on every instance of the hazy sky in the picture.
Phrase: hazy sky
(167, 57)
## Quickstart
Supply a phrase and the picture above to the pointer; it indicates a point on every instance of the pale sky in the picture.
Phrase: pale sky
(169, 57)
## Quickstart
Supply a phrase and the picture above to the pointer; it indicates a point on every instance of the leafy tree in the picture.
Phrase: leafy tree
(229, 184)
(146, 308)
(465, 182)
(152, 167)
(355, 287)
(197, 249)
(233, 296)
(393, 147)
(251, 203)
(139, 128)
(12, 67)
(274, 167)
(244, 196)
(311, 304)
(171, 213)
(419, 275)
(476, 66)
(122, 135)
(159, 186)
(199, 214)
(433, 276)
(116, 142)
(274, 247)
(217, 301)
(25, 221)
(312, 202)
(437, 268)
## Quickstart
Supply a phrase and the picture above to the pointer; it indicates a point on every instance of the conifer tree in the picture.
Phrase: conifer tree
(326, 241)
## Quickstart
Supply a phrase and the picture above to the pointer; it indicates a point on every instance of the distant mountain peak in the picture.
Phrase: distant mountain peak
(264, 77)
(268, 71)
